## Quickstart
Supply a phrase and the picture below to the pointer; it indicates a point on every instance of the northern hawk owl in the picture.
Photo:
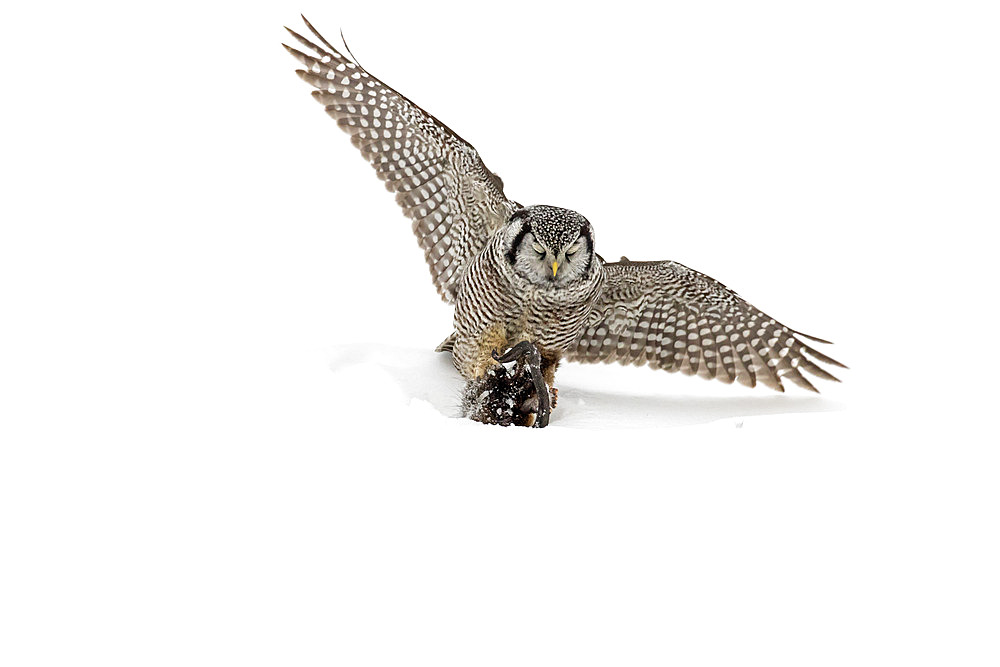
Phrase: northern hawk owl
(527, 285)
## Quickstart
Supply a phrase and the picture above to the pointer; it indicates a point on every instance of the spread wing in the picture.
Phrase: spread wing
(672, 317)
(440, 182)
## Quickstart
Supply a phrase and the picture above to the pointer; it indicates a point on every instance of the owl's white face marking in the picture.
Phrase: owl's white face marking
(546, 266)
(550, 247)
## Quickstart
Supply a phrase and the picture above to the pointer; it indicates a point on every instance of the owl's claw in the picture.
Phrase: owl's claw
(507, 397)
(526, 353)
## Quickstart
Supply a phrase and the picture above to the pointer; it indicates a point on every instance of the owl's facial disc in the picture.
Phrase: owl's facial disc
(550, 246)
(543, 252)
(544, 265)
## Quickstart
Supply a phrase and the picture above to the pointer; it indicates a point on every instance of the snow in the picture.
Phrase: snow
(590, 397)
(225, 438)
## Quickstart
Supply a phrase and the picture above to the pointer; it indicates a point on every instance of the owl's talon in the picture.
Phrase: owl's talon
(518, 396)
(519, 352)
(527, 354)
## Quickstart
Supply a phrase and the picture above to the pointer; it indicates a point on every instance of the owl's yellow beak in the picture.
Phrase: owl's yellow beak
(555, 267)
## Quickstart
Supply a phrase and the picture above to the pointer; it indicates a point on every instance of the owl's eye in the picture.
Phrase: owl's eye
(572, 249)
(537, 248)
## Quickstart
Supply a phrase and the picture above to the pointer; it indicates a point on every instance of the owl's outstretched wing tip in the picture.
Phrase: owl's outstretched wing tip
(813, 338)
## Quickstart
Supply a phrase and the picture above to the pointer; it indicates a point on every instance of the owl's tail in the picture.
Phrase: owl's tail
(447, 345)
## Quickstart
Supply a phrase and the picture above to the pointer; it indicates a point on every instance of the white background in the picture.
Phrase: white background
(224, 438)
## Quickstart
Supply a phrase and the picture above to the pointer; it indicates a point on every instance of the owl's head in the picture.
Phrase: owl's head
(550, 246)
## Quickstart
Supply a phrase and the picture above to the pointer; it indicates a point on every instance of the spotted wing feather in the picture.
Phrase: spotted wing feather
(669, 316)
(440, 182)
